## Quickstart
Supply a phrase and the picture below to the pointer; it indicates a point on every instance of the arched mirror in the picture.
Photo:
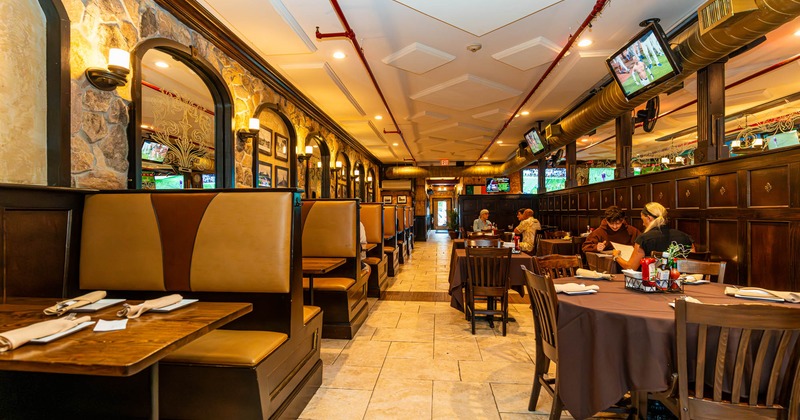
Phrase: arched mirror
(358, 181)
(182, 130)
(318, 174)
(274, 149)
(371, 186)
(342, 176)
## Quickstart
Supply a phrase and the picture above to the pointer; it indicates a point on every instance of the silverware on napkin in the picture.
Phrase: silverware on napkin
(134, 311)
(62, 307)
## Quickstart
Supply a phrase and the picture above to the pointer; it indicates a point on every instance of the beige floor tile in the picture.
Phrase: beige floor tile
(364, 333)
(503, 349)
(364, 353)
(340, 404)
(496, 372)
(463, 400)
(406, 350)
(350, 377)
(425, 369)
(329, 356)
(461, 331)
(465, 349)
(403, 334)
(401, 399)
(380, 319)
(422, 322)
(512, 398)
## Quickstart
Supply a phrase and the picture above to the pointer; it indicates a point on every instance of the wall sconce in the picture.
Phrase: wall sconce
(747, 145)
(356, 172)
(369, 178)
(115, 75)
(319, 164)
(307, 155)
(252, 130)
(665, 160)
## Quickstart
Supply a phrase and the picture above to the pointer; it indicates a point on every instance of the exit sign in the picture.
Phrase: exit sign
(444, 162)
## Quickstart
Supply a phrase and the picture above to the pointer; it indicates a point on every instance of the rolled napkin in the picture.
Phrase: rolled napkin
(686, 298)
(575, 287)
(759, 293)
(10, 340)
(62, 307)
(592, 274)
(133, 311)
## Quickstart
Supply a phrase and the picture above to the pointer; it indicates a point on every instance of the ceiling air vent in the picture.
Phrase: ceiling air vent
(396, 184)
(552, 132)
(714, 13)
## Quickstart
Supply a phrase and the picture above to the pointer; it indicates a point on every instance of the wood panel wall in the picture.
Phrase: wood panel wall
(745, 211)
(502, 208)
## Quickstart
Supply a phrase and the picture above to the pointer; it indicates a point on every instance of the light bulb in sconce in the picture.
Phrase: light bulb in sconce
(665, 160)
(338, 164)
(356, 172)
(115, 74)
(119, 60)
(319, 164)
(369, 178)
(254, 124)
(309, 150)
(758, 142)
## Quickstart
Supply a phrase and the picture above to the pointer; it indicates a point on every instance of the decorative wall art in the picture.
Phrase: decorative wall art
(281, 147)
(281, 174)
(265, 141)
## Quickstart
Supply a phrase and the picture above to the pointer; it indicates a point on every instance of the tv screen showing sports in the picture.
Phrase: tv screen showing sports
(152, 151)
(498, 185)
(555, 179)
(169, 182)
(644, 62)
(600, 175)
(534, 141)
(787, 139)
(209, 181)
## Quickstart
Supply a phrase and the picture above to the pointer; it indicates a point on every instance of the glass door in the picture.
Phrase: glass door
(441, 208)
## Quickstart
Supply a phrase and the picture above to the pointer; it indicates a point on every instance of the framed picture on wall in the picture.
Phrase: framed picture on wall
(401, 199)
(387, 199)
(281, 175)
(264, 175)
(265, 141)
(281, 148)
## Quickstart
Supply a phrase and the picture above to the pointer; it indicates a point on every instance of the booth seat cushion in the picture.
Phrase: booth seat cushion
(229, 347)
(388, 249)
(309, 312)
(374, 260)
(330, 283)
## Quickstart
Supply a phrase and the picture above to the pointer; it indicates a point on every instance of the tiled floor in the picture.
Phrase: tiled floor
(418, 360)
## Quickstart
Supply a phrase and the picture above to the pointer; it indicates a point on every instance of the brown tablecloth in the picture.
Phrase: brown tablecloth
(559, 246)
(618, 340)
(458, 275)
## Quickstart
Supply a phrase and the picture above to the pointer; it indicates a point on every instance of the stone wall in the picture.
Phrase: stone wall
(100, 119)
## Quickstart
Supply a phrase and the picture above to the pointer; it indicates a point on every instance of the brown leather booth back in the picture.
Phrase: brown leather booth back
(409, 217)
(330, 228)
(389, 217)
(401, 218)
(187, 242)
(372, 218)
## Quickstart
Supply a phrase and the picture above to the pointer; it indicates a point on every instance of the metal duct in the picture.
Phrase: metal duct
(696, 52)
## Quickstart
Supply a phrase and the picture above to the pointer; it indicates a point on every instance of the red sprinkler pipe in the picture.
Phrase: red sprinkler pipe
(349, 34)
(598, 7)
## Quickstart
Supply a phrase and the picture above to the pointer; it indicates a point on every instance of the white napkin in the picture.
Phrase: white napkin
(62, 307)
(695, 279)
(575, 287)
(688, 299)
(592, 274)
(759, 293)
(10, 340)
(134, 311)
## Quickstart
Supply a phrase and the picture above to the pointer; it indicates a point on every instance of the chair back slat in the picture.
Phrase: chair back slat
(483, 243)
(757, 343)
(715, 269)
(488, 267)
(557, 266)
(545, 307)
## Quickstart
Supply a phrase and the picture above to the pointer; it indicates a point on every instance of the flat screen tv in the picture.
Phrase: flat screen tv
(534, 141)
(169, 182)
(555, 179)
(154, 152)
(498, 185)
(209, 181)
(600, 175)
(645, 62)
(787, 139)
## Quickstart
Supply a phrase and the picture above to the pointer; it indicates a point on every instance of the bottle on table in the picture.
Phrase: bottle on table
(516, 243)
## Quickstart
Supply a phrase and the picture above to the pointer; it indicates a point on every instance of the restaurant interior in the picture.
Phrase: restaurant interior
(321, 209)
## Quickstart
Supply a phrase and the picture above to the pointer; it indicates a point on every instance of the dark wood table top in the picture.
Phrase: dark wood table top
(321, 265)
(369, 247)
(145, 341)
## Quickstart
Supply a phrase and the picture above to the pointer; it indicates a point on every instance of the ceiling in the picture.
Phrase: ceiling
(455, 72)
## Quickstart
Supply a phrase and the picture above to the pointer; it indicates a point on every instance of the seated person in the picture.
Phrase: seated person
(482, 222)
(657, 236)
(613, 228)
(527, 227)
(363, 240)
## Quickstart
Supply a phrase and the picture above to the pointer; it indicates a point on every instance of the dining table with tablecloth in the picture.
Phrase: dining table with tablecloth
(458, 275)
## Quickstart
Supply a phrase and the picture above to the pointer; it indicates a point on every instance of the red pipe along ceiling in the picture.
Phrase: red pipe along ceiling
(598, 7)
(349, 34)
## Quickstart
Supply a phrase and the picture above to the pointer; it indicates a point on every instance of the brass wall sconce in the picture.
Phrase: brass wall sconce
(309, 151)
(115, 75)
(369, 178)
(252, 130)
(748, 145)
(337, 166)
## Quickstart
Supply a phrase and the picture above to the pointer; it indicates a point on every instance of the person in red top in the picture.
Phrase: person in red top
(613, 228)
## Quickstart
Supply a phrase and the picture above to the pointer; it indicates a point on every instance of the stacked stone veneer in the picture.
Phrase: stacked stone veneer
(100, 119)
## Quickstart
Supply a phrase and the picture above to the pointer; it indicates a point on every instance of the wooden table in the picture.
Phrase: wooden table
(317, 266)
(123, 353)
(561, 246)
(458, 275)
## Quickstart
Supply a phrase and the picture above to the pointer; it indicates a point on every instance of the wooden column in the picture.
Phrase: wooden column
(572, 165)
(541, 178)
(710, 113)
(624, 128)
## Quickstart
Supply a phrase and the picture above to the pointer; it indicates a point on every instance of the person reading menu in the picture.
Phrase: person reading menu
(657, 236)
(613, 228)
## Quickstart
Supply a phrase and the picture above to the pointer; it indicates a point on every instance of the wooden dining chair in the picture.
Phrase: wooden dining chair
(557, 266)
(712, 269)
(545, 321)
(755, 373)
(488, 276)
(600, 262)
(554, 234)
(483, 243)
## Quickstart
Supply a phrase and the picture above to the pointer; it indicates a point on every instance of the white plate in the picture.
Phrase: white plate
(174, 306)
(590, 278)
(687, 282)
(581, 292)
(768, 298)
(100, 304)
(51, 337)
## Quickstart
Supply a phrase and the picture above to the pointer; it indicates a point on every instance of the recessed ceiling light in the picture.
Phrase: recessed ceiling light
(797, 33)
(585, 139)
(379, 117)
(395, 144)
(499, 141)
(162, 64)
(516, 116)
(339, 55)
(524, 113)
(584, 42)
(486, 158)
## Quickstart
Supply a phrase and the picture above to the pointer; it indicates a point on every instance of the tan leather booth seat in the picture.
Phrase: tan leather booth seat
(139, 245)
(390, 248)
(372, 218)
(330, 229)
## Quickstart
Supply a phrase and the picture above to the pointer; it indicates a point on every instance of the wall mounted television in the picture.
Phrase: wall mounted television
(645, 62)
(600, 175)
(535, 142)
(154, 152)
(209, 181)
(498, 185)
(169, 182)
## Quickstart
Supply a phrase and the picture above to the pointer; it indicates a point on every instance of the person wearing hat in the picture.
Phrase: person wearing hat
(482, 222)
